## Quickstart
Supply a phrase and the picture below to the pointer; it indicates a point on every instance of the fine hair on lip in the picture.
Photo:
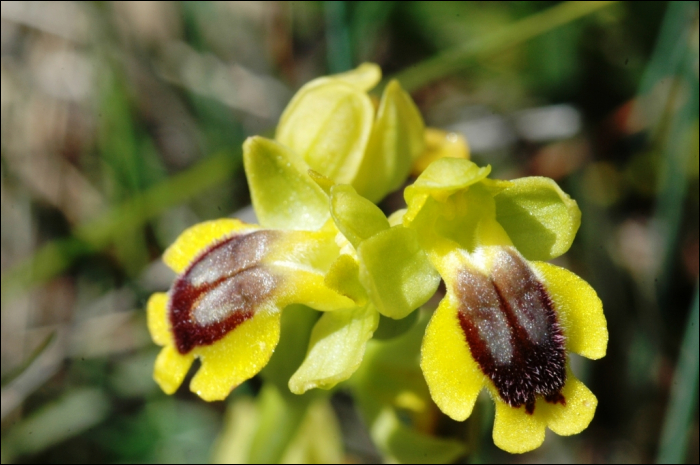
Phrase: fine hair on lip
(220, 290)
(512, 331)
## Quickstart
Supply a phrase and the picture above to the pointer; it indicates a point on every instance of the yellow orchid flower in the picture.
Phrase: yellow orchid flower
(225, 305)
(508, 319)
(315, 243)
(506, 323)
(234, 279)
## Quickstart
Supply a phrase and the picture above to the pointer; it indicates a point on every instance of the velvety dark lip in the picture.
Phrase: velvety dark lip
(222, 288)
(529, 358)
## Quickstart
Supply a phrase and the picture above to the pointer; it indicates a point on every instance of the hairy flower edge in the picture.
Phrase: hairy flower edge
(224, 308)
(506, 323)
(455, 378)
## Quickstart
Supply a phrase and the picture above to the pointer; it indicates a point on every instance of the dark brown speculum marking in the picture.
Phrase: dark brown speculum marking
(221, 289)
(512, 331)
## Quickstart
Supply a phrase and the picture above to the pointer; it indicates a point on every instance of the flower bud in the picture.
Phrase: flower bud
(331, 124)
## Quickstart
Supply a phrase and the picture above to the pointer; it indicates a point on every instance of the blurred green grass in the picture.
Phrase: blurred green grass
(122, 125)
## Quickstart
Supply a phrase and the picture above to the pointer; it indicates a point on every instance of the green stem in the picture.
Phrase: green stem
(338, 51)
(684, 394)
(53, 258)
(280, 418)
(460, 57)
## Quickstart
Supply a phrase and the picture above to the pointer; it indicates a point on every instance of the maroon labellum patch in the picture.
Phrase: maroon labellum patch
(221, 289)
(512, 331)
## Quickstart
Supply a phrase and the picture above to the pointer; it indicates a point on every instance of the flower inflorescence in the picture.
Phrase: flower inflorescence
(506, 322)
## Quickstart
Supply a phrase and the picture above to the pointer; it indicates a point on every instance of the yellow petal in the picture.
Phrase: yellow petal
(574, 416)
(454, 378)
(239, 356)
(579, 309)
(171, 368)
(516, 431)
(440, 144)
(157, 315)
(194, 239)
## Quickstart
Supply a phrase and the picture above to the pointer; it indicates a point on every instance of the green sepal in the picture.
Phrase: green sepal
(356, 217)
(540, 219)
(397, 139)
(283, 194)
(336, 348)
(396, 272)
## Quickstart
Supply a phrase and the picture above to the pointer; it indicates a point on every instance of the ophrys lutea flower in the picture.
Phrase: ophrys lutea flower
(508, 319)
(225, 305)
(506, 323)
(235, 279)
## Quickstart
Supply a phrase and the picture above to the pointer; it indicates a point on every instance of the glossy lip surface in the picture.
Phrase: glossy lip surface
(512, 331)
(220, 290)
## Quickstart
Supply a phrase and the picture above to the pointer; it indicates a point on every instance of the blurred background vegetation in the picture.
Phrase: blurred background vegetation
(122, 124)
